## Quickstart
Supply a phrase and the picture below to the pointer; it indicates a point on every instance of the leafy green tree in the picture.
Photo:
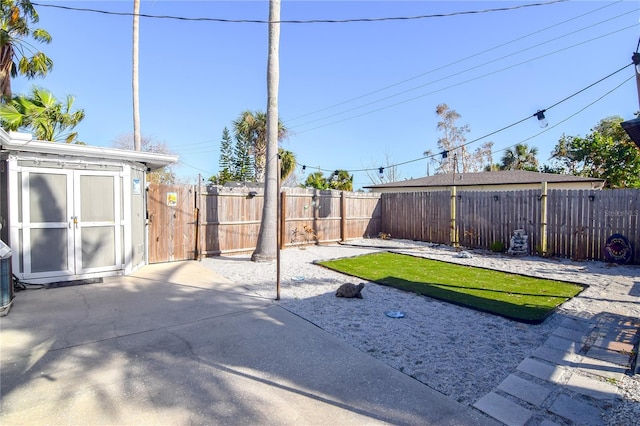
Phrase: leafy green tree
(339, 180)
(316, 180)
(226, 161)
(43, 115)
(17, 56)
(520, 157)
(606, 153)
(243, 166)
(287, 163)
(251, 128)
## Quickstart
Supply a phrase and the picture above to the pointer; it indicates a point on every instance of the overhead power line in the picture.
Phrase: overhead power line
(426, 157)
(437, 90)
(483, 52)
(309, 21)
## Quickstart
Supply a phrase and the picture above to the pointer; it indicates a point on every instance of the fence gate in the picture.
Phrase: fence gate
(172, 223)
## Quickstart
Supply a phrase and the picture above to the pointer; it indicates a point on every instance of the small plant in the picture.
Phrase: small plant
(304, 237)
(497, 247)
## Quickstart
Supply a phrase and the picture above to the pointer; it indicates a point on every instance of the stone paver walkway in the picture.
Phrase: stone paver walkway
(569, 379)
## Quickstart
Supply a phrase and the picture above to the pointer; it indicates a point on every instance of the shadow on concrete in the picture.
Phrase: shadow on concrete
(176, 344)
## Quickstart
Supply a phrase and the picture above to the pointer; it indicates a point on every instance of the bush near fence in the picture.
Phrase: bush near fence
(562, 223)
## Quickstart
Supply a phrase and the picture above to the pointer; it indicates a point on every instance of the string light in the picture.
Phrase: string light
(542, 120)
(444, 154)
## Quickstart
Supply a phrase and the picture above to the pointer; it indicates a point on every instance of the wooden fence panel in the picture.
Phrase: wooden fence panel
(420, 216)
(362, 215)
(578, 222)
(171, 211)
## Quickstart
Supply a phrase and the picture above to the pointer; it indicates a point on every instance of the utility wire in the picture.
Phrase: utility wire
(506, 127)
(465, 59)
(310, 21)
(438, 90)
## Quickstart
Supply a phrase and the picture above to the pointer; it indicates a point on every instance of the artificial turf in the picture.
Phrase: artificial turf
(514, 296)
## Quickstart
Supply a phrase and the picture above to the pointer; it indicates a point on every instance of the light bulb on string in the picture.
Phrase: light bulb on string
(542, 120)
(381, 172)
(636, 61)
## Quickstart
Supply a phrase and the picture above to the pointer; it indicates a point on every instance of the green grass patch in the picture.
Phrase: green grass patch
(513, 296)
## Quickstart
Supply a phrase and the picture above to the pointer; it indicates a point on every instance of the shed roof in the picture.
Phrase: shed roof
(24, 142)
(502, 177)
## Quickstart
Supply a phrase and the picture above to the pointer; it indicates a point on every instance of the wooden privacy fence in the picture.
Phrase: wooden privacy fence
(209, 221)
(187, 222)
(564, 223)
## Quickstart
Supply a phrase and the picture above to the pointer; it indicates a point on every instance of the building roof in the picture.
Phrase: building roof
(24, 142)
(502, 177)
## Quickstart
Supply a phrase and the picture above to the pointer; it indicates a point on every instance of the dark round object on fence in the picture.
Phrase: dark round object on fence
(618, 250)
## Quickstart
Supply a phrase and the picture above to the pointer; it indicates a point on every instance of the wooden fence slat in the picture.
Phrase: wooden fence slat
(578, 221)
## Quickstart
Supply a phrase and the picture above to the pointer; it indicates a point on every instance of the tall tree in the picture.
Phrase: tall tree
(287, 163)
(43, 115)
(452, 142)
(606, 153)
(17, 55)
(520, 157)
(266, 247)
(251, 126)
(137, 138)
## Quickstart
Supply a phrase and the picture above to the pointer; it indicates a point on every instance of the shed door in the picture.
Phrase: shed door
(71, 222)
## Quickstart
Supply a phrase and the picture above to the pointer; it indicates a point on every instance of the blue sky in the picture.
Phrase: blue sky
(354, 95)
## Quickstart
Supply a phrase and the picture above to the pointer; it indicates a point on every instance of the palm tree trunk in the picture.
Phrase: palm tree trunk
(137, 144)
(6, 60)
(266, 247)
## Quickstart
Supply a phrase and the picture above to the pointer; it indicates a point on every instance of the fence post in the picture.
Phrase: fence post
(454, 230)
(343, 216)
(543, 220)
(283, 219)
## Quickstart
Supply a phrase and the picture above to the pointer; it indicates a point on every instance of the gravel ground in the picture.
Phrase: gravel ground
(460, 352)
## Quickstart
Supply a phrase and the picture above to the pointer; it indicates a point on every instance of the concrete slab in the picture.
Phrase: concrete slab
(175, 344)
(601, 368)
(593, 388)
(500, 408)
(561, 344)
(577, 324)
(547, 422)
(576, 411)
(569, 334)
(542, 370)
(610, 356)
(555, 356)
(526, 390)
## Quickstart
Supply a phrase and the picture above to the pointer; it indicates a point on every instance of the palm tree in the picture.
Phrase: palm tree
(17, 57)
(251, 127)
(137, 136)
(316, 180)
(341, 180)
(266, 246)
(42, 114)
(287, 163)
(521, 157)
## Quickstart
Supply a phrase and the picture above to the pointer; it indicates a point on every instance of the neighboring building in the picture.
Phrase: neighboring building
(73, 212)
(504, 180)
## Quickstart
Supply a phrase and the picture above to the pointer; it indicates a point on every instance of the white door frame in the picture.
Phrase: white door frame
(21, 230)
